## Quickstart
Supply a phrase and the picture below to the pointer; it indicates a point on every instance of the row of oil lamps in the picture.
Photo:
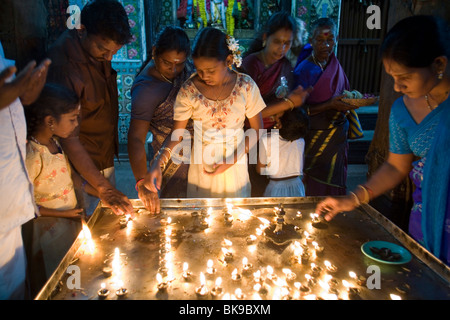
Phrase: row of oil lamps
(301, 256)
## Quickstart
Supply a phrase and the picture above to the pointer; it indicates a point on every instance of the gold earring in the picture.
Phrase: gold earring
(264, 43)
(440, 75)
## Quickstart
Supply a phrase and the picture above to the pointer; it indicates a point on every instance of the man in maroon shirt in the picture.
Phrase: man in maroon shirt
(82, 61)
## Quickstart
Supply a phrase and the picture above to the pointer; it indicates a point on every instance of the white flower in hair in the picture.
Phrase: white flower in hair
(233, 46)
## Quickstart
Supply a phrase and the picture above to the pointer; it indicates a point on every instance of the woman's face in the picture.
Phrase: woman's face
(66, 124)
(413, 82)
(278, 44)
(170, 63)
(323, 42)
(211, 70)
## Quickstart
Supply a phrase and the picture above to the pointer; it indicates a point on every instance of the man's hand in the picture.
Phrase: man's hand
(35, 83)
(27, 85)
(116, 200)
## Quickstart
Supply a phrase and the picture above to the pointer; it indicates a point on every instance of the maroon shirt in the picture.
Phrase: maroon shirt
(95, 83)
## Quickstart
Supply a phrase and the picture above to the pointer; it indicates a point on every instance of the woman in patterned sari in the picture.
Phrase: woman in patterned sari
(152, 97)
(326, 145)
(266, 63)
(415, 53)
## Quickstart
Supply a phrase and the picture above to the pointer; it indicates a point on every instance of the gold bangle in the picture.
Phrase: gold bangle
(168, 150)
(366, 194)
(289, 101)
(358, 203)
(164, 163)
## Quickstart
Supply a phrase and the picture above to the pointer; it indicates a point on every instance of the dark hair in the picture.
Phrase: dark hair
(211, 43)
(168, 39)
(172, 38)
(54, 100)
(279, 20)
(106, 18)
(324, 22)
(294, 124)
(416, 41)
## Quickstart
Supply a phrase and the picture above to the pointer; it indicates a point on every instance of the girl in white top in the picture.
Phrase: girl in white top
(283, 161)
(219, 100)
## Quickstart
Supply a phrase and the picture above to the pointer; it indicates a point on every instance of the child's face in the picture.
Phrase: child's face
(211, 70)
(67, 123)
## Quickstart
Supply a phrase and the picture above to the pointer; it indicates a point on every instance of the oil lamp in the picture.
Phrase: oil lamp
(103, 292)
(330, 267)
(235, 275)
(162, 285)
(290, 276)
(251, 239)
(315, 270)
(123, 222)
(227, 255)
(107, 272)
(165, 222)
(217, 290)
(308, 237)
(186, 273)
(246, 266)
(202, 290)
(121, 292)
(270, 274)
(318, 249)
(210, 270)
(239, 294)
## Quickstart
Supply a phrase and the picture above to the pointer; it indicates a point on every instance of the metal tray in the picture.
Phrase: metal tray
(201, 229)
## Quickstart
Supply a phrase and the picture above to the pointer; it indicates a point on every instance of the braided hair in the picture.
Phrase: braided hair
(54, 100)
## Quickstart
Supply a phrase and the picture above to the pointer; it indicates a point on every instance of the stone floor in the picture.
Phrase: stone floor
(125, 179)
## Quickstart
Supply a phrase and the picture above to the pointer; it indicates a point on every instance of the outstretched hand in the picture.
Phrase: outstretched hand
(117, 201)
(330, 206)
(299, 95)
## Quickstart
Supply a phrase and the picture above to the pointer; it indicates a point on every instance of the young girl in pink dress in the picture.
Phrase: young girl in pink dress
(219, 100)
(53, 115)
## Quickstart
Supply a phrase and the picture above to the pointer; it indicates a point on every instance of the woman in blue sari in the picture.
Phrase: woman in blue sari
(415, 53)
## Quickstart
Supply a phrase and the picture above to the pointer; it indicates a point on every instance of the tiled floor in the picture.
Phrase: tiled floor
(125, 179)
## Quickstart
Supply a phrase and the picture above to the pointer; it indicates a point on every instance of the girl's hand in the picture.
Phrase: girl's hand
(149, 199)
(71, 213)
(218, 168)
(330, 207)
(153, 178)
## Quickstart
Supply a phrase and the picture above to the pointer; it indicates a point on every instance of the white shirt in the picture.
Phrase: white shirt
(285, 162)
(16, 190)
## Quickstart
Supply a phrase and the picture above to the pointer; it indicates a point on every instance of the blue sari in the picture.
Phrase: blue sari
(429, 140)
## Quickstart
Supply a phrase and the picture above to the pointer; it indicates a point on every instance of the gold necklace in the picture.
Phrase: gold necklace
(221, 90)
(317, 62)
(163, 76)
(263, 56)
(51, 140)
(428, 102)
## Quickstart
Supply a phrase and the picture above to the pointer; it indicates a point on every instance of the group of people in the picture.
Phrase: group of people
(58, 123)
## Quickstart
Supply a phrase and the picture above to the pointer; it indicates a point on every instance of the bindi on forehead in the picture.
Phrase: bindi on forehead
(325, 32)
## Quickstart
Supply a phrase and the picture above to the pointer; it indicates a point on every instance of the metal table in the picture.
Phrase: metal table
(148, 255)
